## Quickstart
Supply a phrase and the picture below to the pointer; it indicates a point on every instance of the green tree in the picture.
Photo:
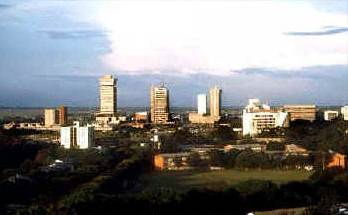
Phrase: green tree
(249, 159)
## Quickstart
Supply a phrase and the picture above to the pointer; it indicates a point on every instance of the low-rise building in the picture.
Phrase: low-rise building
(241, 147)
(172, 161)
(77, 136)
(330, 115)
(337, 160)
(293, 149)
(196, 118)
(31, 125)
(107, 122)
(141, 116)
(202, 150)
(10, 125)
(269, 139)
(301, 112)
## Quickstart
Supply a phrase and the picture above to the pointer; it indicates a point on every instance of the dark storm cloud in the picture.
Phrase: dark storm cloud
(331, 30)
(73, 34)
(322, 85)
(314, 72)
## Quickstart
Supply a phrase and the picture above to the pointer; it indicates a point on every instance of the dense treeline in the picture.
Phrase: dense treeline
(216, 135)
(109, 170)
(326, 187)
(319, 135)
(248, 159)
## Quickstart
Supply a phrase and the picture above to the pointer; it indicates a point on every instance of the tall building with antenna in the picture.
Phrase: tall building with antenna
(159, 104)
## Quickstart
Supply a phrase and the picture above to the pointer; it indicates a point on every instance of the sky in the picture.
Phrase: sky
(283, 52)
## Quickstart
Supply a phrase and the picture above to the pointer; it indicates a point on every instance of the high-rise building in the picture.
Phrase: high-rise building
(77, 136)
(258, 118)
(301, 112)
(215, 101)
(108, 95)
(51, 117)
(63, 115)
(344, 112)
(159, 104)
(200, 116)
(202, 104)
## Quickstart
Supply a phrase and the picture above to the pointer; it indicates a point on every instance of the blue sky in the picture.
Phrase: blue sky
(52, 52)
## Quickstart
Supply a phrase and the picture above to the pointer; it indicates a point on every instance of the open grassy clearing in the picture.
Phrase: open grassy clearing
(185, 180)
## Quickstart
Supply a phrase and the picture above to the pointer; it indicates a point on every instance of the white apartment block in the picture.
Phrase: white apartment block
(257, 118)
(330, 115)
(202, 104)
(344, 112)
(77, 136)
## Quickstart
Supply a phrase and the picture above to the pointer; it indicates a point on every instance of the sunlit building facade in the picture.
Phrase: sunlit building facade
(202, 104)
(51, 117)
(215, 101)
(258, 118)
(76, 136)
(301, 112)
(159, 104)
(108, 95)
(344, 112)
(330, 115)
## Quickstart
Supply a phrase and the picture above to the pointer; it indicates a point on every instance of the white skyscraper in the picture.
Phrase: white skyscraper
(202, 104)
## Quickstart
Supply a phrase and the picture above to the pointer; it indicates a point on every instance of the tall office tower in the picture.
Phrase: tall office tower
(108, 95)
(202, 104)
(50, 117)
(159, 104)
(63, 115)
(215, 101)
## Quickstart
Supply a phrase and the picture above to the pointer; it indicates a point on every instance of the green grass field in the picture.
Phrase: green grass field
(185, 180)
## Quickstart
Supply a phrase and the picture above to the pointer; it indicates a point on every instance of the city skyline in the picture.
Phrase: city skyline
(273, 54)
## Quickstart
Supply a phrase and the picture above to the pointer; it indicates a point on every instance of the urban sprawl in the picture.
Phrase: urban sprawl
(257, 119)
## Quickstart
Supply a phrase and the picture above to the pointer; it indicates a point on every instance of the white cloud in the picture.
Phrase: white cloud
(217, 36)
